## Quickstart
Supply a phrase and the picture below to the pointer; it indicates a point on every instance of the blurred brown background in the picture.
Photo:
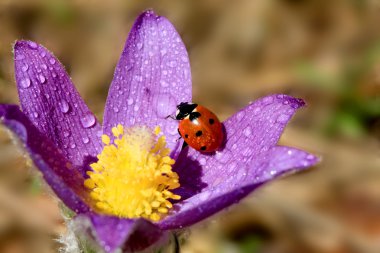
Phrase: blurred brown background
(327, 52)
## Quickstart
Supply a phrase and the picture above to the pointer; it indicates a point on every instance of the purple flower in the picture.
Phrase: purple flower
(64, 139)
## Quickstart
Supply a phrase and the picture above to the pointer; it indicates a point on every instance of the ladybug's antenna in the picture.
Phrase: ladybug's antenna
(170, 116)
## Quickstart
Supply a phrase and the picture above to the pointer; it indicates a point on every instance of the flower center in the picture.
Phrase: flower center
(133, 176)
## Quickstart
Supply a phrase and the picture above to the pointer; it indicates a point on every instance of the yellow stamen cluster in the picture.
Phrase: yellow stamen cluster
(133, 176)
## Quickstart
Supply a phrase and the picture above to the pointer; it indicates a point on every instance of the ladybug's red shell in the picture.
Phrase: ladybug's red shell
(203, 131)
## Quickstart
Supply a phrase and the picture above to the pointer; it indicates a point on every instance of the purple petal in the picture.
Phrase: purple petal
(130, 235)
(253, 130)
(66, 182)
(53, 105)
(235, 181)
(246, 160)
(152, 77)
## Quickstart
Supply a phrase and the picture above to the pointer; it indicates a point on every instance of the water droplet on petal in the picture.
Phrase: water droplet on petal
(64, 106)
(85, 140)
(115, 109)
(256, 110)
(247, 131)
(139, 45)
(136, 108)
(283, 118)
(44, 66)
(25, 83)
(42, 78)
(165, 105)
(20, 57)
(52, 61)
(267, 100)
(240, 115)
(25, 67)
(66, 134)
(202, 161)
(73, 145)
(35, 114)
(310, 157)
(88, 120)
(164, 83)
(130, 101)
(32, 45)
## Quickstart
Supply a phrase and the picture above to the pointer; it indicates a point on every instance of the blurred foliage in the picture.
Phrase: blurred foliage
(355, 111)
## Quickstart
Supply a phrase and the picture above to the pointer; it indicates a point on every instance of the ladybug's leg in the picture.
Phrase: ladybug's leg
(184, 145)
(180, 136)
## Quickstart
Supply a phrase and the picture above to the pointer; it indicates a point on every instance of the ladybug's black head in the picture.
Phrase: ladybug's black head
(184, 109)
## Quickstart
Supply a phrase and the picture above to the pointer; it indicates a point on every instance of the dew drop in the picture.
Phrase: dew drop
(130, 101)
(247, 131)
(20, 57)
(85, 140)
(283, 118)
(64, 106)
(66, 134)
(42, 78)
(25, 83)
(73, 145)
(240, 115)
(172, 64)
(184, 59)
(115, 109)
(202, 161)
(52, 61)
(44, 66)
(32, 45)
(43, 54)
(256, 110)
(35, 114)
(164, 83)
(139, 45)
(165, 104)
(88, 121)
(25, 67)
(136, 108)
(267, 100)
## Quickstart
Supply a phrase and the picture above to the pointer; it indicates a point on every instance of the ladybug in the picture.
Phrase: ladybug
(199, 127)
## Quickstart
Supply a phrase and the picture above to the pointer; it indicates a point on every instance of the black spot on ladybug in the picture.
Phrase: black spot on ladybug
(198, 133)
(203, 148)
(186, 136)
(211, 121)
(194, 115)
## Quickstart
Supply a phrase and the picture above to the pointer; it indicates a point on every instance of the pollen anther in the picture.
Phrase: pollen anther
(133, 176)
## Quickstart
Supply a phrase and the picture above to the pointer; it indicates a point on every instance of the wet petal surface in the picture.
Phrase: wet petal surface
(51, 102)
(61, 175)
(152, 77)
(130, 235)
(235, 183)
(247, 160)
